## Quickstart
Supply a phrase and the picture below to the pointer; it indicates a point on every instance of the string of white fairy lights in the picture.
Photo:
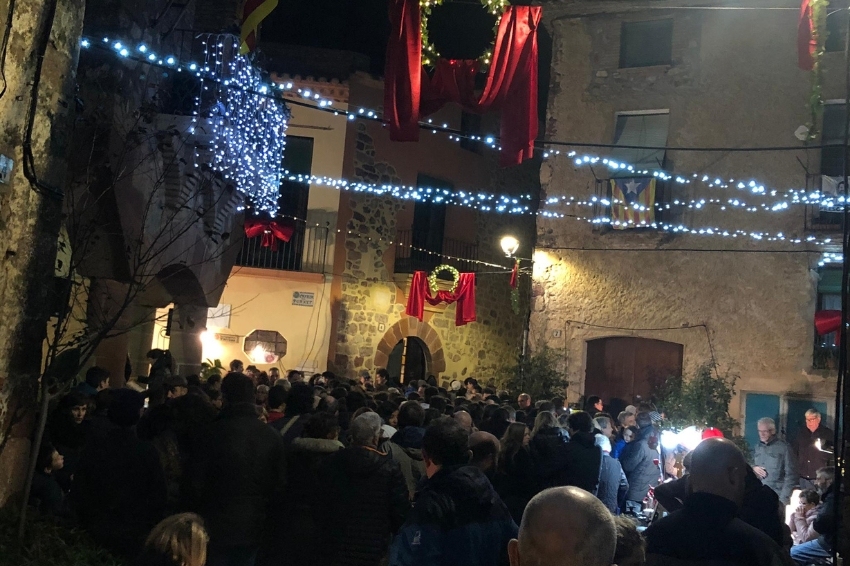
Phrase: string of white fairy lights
(251, 89)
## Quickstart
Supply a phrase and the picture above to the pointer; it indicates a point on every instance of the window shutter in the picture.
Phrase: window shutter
(643, 130)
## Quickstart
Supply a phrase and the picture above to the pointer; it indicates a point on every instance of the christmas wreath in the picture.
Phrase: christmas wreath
(432, 278)
(429, 52)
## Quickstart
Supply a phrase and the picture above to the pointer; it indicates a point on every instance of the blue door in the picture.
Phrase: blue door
(797, 415)
(757, 406)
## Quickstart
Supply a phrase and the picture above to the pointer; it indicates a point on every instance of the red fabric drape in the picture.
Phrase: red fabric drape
(464, 295)
(270, 230)
(806, 44)
(410, 94)
(827, 322)
(515, 275)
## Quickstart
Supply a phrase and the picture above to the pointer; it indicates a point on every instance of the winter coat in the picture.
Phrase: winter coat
(405, 447)
(234, 477)
(364, 503)
(457, 519)
(584, 462)
(825, 523)
(613, 484)
(119, 491)
(778, 461)
(516, 482)
(290, 427)
(549, 452)
(802, 527)
(707, 531)
(808, 458)
(47, 496)
(637, 461)
(617, 449)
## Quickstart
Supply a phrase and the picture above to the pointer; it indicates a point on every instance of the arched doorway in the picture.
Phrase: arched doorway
(408, 360)
(624, 368)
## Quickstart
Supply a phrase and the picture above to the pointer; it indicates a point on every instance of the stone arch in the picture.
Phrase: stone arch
(411, 327)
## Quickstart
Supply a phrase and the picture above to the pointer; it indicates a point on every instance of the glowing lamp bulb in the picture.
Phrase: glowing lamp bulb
(509, 245)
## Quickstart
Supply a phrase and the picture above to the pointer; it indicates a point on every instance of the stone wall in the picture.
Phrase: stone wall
(371, 319)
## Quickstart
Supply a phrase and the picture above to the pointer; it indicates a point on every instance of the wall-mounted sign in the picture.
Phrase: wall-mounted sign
(227, 338)
(303, 299)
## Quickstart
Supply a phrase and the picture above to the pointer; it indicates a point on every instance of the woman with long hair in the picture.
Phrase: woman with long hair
(516, 479)
(178, 540)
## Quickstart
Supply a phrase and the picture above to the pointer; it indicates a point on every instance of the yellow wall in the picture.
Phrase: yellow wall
(261, 299)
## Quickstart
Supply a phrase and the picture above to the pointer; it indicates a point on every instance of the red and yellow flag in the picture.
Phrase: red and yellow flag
(634, 203)
(253, 12)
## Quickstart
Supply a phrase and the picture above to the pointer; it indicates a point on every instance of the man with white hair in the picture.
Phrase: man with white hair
(774, 463)
(366, 498)
(564, 526)
(810, 448)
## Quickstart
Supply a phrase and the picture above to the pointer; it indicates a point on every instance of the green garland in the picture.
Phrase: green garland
(819, 34)
(429, 52)
(432, 278)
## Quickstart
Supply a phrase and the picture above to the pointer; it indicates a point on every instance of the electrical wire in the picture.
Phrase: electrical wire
(687, 250)
(4, 46)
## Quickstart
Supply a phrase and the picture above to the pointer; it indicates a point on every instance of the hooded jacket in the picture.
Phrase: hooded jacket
(637, 461)
(456, 520)
(405, 447)
(365, 502)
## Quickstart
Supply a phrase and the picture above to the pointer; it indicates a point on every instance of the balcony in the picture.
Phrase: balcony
(306, 251)
(825, 218)
(825, 357)
(408, 259)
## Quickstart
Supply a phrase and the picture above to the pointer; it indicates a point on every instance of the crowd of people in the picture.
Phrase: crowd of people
(258, 468)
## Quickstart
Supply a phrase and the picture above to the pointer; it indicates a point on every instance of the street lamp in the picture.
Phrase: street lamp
(509, 245)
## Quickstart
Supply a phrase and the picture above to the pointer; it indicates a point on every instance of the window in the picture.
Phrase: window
(829, 298)
(429, 224)
(644, 44)
(642, 129)
(298, 160)
(265, 346)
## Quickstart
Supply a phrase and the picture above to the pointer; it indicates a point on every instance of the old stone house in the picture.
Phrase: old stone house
(627, 307)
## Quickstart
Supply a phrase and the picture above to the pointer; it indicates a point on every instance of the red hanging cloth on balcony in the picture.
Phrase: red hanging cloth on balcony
(270, 230)
(827, 322)
(464, 295)
(410, 94)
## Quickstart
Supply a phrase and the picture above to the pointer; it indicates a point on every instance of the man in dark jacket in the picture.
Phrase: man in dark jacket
(119, 488)
(819, 551)
(235, 474)
(365, 499)
(584, 457)
(707, 530)
(405, 446)
(809, 449)
(639, 462)
(457, 518)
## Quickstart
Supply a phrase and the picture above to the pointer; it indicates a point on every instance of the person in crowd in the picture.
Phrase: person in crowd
(214, 395)
(45, 494)
(365, 378)
(516, 480)
(564, 526)
(457, 518)
(593, 405)
(99, 423)
(294, 376)
(639, 460)
(277, 405)
(672, 494)
(624, 435)
(97, 379)
(626, 419)
(498, 423)
(774, 462)
(405, 446)
(236, 366)
(605, 426)
(820, 550)
(364, 501)
(299, 407)
(175, 386)
(465, 420)
(613, 485)
(178, 540)
(382, 379)
(119, 488)
(631, 547)
(261, 396)
(549, 450)
(583, 456)
(810, 449)
(707, 528)
(801, 522)
(69, 432)
(485, 452)
(274, 376)
(162, 366)
(235, 475)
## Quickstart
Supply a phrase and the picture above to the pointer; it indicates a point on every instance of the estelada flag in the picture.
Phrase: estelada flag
(253, 12)
(633, 203)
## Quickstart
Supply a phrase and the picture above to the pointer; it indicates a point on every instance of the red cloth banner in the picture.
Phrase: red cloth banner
(410, 94)
(806, 44)
(827, 322)
(253, 12)
(464, 296)
(515, 275)
(270, 230)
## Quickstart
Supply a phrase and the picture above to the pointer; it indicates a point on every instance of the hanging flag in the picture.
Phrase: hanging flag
(253, 12)
(634, 202)
(806, 44)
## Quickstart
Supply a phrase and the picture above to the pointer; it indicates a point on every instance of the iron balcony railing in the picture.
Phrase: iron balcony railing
(442, 251)
(306, 251)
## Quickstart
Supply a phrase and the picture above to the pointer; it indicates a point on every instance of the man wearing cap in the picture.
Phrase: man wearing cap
(176, 386)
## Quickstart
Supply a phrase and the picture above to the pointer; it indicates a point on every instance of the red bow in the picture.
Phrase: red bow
(827, 322)
(270, 230)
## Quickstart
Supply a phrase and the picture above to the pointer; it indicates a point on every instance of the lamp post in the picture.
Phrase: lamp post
(509, 245)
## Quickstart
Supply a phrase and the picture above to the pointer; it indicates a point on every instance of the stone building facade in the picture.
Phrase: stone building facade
(622, 307)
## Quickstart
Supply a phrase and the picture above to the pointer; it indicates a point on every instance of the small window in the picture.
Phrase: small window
(265, 346)
(641, 129)
(644, 44)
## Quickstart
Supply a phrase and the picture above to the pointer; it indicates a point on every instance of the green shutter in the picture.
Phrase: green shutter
(830, 282)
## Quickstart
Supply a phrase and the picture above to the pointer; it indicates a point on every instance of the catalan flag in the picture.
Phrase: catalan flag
(253, 12)
(633, 202)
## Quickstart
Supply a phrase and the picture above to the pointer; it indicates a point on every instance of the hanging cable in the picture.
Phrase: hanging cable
(4, 46)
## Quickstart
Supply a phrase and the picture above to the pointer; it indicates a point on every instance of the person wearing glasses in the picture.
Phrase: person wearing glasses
(813, 449)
